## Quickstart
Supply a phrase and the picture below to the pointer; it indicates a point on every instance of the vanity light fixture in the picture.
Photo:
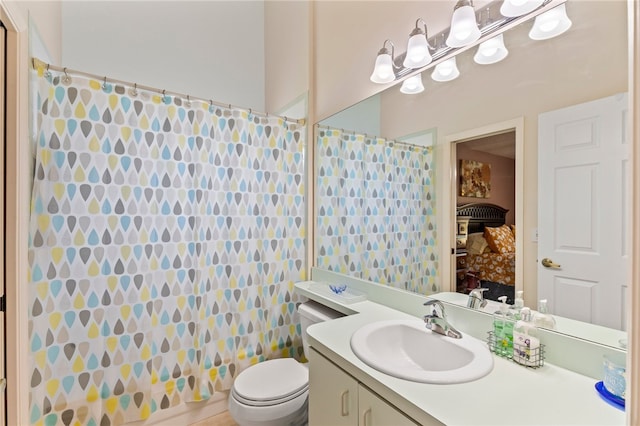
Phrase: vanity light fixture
(418, 54)
(383, 70)
(446, 70)
(467, 28)
(464, 27)
(513, 8)
(412, 85)
(491, 51)
(550, 24)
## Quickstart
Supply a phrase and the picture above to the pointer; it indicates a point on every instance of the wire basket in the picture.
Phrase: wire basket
(522, 354)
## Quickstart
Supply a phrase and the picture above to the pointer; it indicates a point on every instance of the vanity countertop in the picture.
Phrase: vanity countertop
(510, 395)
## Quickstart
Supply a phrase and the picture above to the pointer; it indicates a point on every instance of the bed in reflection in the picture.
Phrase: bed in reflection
(490, 250)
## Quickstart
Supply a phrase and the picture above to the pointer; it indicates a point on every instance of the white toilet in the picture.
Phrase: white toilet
(276, 392)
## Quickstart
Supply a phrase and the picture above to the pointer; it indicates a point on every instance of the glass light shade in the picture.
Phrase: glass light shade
(550, 24)
(513, 8)
(464, 28)
(418, 54)
(491, 51)
(383, 70)
(412, 85)
(446, 71)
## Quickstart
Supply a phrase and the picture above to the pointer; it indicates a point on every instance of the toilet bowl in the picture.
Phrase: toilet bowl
(276, 392)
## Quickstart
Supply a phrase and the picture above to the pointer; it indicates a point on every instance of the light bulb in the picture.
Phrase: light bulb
(464, 28)
(513, 8)
(491, 51)
(446, 70)
(550, 24)
(383, 70)
(412, 85)
(417, 55)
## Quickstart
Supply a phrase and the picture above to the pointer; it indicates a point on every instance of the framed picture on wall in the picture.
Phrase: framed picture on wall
(475, 179)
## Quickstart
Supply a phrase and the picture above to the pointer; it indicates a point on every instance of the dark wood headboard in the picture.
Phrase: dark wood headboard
(482, 214)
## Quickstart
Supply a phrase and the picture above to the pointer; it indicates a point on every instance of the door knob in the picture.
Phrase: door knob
(548, 263)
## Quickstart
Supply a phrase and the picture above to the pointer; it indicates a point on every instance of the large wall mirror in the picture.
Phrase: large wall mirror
(406, 143)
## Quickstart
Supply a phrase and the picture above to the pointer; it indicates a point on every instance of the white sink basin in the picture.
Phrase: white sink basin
(408, 350)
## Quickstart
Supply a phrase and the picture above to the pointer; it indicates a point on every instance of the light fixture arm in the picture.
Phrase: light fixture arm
(385, 51)
(462, 3)
(417, 30)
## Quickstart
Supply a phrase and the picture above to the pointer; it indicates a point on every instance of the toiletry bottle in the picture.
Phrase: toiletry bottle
(505, 340)
(498, 331)
(526, 344)
(518, 304)
(543, 318)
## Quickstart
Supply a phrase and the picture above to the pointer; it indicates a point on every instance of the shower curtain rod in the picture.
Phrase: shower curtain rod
(37, 63)
(353, 132)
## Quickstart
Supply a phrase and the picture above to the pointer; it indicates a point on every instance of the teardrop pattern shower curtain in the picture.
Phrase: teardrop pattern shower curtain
(376, 210)
(165, 239)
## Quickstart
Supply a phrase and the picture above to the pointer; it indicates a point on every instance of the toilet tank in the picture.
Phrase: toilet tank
(313, 312)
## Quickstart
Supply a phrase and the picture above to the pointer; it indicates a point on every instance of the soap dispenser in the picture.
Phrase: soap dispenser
(518, 304)
(503, 329)
(526, 343)
(543, 318)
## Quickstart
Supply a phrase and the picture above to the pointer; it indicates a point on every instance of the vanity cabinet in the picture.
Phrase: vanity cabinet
(338, 399)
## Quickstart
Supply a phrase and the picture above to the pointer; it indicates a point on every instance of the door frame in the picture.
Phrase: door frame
(633, 351)
(16, 213)
(516, 125)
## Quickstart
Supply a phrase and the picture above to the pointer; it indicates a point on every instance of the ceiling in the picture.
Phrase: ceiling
(503, 144)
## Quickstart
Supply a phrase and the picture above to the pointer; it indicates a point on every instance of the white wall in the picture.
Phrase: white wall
(287, 47)
(44, 18)
(208, 49)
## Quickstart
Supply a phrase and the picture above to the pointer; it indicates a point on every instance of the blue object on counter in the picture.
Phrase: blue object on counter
(337, 288)
(616, 401)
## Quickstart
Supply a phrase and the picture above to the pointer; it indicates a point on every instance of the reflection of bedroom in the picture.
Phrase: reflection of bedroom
(485, 254)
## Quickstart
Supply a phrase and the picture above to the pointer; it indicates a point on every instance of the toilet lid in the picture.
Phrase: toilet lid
(272, 381)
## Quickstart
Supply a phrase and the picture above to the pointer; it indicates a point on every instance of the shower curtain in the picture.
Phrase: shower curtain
(376, 210)
(165, 239)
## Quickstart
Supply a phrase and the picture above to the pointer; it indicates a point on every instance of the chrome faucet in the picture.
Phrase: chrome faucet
(438, 322)
(476, 298)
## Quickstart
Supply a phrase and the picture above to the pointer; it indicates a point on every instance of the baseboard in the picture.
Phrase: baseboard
(187, 413)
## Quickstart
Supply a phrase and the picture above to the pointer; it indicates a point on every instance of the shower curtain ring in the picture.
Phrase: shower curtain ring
(104, 84)
(47, 73)
(164, 96)
(188, 103)
(66, 79)
(134, 91)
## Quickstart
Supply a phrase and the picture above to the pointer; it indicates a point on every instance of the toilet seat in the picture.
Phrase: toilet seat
(271, 382)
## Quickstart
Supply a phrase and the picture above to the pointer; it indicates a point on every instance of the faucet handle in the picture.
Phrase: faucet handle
(435, 303)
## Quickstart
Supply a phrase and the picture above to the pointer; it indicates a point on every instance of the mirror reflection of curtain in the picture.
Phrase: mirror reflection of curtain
(376, 210)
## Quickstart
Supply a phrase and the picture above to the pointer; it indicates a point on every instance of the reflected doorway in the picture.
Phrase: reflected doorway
(485, 227)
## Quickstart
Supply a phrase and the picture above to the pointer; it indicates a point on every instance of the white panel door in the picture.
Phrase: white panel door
(583, 220)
